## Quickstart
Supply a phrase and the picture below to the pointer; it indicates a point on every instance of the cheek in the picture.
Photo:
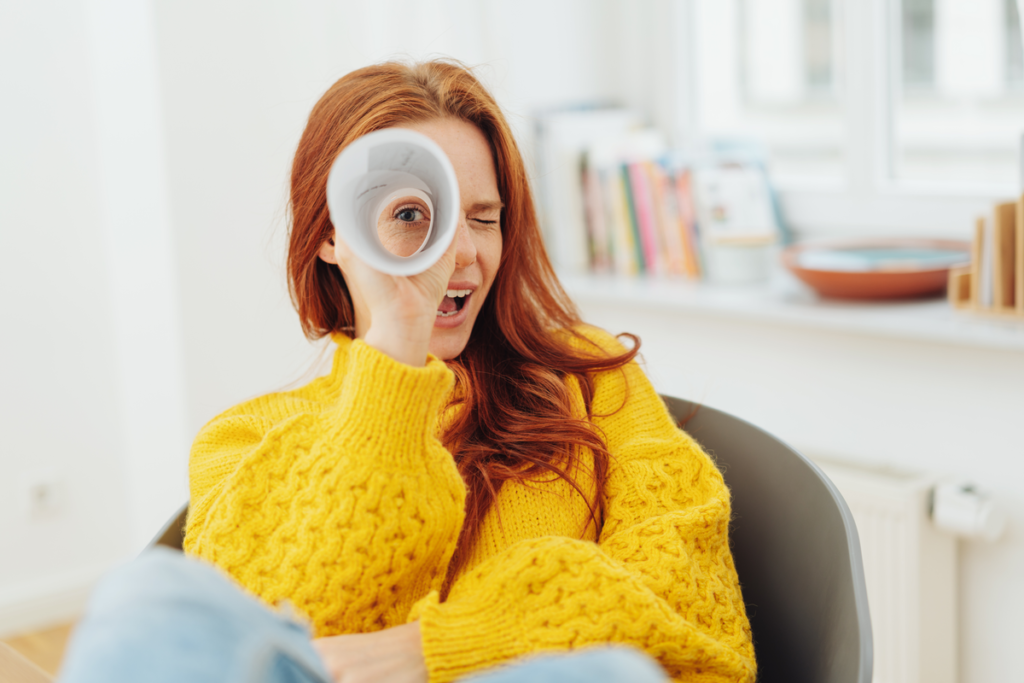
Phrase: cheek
(489, 254)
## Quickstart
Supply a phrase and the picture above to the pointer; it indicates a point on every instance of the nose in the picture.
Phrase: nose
(465, 248)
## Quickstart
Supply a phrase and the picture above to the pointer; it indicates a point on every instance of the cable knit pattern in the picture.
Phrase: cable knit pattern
(339, 498)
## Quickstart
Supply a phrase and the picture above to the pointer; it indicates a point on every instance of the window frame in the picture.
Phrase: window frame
(871, 200)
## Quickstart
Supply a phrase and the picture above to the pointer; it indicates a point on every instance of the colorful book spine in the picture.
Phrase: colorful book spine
(640, 219)
(669, 234)
(643, 203)
(688, 222)
(631, 219)
(617, 213)
(597, 226)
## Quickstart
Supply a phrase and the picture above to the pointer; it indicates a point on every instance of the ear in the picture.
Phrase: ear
(327, 252)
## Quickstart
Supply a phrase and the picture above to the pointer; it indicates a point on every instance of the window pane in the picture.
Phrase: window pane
(819, 62)
(959, 109)
(918, 44)
(771, 70)
(1014, 42)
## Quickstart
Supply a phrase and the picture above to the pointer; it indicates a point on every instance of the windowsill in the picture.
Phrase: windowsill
(899, 188)
(785, 301)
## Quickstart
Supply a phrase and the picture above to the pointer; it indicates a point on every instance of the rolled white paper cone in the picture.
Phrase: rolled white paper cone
(374, 167)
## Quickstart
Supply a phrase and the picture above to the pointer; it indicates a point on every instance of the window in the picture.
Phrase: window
(958, 112)
(784, 86)
(1013, 28)
(876, 115)
(918, 30)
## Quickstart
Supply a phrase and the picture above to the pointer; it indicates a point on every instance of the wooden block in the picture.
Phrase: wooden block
(14, 668)
(977, 251)
(1019, 259)
(1004, 236)
(959, 290)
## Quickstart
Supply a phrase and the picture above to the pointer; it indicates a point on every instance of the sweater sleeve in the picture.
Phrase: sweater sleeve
(661, 576)
(345, 509)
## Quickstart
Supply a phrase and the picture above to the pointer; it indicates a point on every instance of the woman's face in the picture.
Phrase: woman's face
(478, 236)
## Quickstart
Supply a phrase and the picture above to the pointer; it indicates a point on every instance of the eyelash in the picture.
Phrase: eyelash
(409, 207)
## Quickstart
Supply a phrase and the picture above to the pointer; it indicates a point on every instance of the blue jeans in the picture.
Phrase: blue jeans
(166, 618)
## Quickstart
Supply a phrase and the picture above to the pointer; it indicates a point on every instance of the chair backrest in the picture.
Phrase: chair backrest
(796, 550)
(172, 535)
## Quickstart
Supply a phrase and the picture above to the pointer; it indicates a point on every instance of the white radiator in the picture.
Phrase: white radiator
(910, 568)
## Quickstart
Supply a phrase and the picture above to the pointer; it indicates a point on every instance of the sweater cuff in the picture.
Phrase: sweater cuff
(461, 638)
(386, 401)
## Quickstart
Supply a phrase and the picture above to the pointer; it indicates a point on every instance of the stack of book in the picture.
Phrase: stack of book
(615, 199)
(640, 218)
(561, 138)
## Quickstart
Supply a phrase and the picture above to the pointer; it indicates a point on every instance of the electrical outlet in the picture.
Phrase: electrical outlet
(42, 494)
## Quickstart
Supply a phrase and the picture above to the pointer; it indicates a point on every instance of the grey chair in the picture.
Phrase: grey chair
(796, 550)
(172, 535)
(795, 546)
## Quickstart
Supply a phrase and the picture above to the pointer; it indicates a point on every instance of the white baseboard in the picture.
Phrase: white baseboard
(55, 599)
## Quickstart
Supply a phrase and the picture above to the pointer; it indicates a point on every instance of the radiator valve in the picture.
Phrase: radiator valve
(963, 510)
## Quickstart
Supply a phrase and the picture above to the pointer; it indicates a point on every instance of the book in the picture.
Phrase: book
(627, 196)
(977, 251)
(654, 212)
(629, 203)
(643, 203)
(561, 138)
(1004, 234)
(599, 239)
(624, 252)
(670, 234)
(985, 298)
(1018, 270)
(734, 205)
(688, 223)
(1019, 255)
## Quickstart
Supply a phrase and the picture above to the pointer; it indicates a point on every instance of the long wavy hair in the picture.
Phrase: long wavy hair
(512, 379)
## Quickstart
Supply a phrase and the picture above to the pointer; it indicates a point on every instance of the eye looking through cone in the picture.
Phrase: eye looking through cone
(394, 200)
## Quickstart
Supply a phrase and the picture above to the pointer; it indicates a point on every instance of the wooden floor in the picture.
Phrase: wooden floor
(43, 648)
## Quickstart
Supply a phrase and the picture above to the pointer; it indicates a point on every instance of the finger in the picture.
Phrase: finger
(446, 264)
(322, 646)
(434, 280)
(452, 250)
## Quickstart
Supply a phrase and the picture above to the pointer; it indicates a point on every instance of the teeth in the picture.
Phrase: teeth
(453, 293)
(441, 314)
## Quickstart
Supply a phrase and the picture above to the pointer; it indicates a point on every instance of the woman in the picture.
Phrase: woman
(477, 479)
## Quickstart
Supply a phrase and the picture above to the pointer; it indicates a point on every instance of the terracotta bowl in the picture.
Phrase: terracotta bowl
(893, 281)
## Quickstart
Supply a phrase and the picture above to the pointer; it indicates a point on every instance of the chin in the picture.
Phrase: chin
(447, 346)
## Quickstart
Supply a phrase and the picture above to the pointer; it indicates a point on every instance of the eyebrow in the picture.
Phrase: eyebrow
(487, 206)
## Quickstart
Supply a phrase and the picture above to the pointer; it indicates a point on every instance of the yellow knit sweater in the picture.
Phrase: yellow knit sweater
(340, 498)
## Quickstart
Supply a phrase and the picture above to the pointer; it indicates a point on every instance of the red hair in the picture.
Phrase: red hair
(512, 378)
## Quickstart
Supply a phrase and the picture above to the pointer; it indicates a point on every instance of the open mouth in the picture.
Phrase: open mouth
(454, 301)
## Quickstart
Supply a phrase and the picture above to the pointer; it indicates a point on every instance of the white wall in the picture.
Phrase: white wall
(132, 183)
(59, 384)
